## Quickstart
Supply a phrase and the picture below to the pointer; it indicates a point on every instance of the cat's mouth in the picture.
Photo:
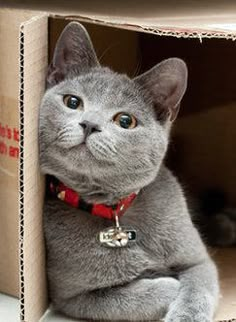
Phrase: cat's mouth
(84, 148)
(83, 145)
(88, 149)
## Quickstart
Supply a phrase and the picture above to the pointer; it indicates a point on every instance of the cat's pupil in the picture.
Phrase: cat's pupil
(73, 102)
(125, 121)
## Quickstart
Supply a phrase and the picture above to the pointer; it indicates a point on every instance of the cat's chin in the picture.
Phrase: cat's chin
(80, 148)
(83, 147)
(85, 152)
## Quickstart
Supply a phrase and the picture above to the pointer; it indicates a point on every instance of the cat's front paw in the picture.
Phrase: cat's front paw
(186, 316)
(179, 318)
(193, 307)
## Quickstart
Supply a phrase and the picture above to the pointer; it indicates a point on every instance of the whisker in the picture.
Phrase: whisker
(106, 50)
(110, 146)
(138, 67)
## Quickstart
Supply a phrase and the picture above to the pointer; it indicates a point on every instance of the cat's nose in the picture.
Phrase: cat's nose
(89, 127)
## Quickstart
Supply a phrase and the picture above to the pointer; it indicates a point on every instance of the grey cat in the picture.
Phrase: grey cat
(105, 136)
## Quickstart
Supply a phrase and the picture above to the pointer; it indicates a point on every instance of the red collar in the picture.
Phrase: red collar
(72, 198)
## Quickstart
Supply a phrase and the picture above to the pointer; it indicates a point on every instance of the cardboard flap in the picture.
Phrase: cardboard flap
(188, 19)
(33, 65)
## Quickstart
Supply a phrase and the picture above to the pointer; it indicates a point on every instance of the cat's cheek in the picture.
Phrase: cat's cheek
(70, 140)
(44, 169)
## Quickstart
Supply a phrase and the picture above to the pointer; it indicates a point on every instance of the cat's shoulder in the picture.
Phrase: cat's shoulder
(166, 192)
(167, 181)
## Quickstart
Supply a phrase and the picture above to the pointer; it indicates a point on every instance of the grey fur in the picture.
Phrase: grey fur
(167, 272)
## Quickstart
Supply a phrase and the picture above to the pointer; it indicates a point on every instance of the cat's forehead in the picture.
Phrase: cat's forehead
(107, 91)
(104, 85)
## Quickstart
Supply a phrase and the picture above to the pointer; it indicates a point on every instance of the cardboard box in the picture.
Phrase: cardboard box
(129, 38)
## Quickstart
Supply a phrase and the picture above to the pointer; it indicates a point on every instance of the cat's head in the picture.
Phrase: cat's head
(101, 133)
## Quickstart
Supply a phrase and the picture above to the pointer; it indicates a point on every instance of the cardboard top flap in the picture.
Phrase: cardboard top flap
(212, 18)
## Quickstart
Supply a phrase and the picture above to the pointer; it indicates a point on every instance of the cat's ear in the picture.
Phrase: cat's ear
(73, 53)
(166, 83)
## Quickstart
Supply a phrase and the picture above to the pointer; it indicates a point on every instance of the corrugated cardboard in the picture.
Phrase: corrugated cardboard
(33, 66)
(33, 40)
(9, 141)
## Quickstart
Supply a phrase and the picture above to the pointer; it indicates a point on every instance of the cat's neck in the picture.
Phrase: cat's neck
(94, 195)
(108, 199)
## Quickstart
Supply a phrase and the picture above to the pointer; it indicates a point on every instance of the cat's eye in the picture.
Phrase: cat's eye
(73, 102)
(125, 120)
